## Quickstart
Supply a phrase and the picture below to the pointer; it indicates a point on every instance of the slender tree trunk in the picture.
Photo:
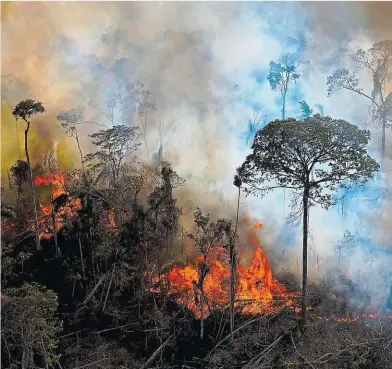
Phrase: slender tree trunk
(37, 240)
(202, 312)
(17, 138)
(383, 126)
(55, 232)
(111, 278)
(24, 359)
(305, 203)
(110, 285)
(81, 156)
(81, 258)
(284, 100)
(233, 268)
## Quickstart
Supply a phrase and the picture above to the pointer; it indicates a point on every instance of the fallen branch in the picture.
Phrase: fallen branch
(302, 357)
(336, 354)
(89, 364)
(156, 352)
(255, 362)
(94, 289)
(111, 329)
(238, 329)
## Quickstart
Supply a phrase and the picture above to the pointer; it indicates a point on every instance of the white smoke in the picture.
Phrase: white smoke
(206, 66)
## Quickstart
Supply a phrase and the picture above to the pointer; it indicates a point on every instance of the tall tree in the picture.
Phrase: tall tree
(280, 75)
(69, 120)
(114, 144)
(24, 110)
(233, 256)
(377, 61)
(286, 152)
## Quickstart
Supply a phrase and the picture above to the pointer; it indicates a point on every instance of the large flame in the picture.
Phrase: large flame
(256, 289)
(50, 220)
(49, 217)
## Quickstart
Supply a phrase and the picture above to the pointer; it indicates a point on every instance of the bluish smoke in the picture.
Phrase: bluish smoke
(371, 254)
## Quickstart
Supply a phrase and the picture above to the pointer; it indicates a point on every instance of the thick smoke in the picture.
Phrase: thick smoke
(205, 65)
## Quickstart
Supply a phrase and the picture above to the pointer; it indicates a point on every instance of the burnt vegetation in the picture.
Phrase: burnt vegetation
(87, 254)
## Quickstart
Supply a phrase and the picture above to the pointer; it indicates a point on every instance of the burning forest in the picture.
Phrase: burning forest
(257, 291)
(199, 192)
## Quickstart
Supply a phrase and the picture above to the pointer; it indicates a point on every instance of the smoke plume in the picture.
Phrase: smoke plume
(205, 65)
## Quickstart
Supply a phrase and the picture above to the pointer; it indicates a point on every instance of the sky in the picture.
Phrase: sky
(206, 66)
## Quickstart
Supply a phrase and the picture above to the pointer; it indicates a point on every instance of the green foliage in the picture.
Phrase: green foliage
(209, 234)
(287, 152)
(342, 79)
(377, 61)
(26, 108)
(69, 119)
(280, 75)
(305, 109)
(115, 145)
(20, 172)
(30, 325)
(282, 72)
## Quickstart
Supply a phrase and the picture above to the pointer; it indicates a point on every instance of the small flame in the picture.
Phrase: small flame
(257, 225)
(111, 224)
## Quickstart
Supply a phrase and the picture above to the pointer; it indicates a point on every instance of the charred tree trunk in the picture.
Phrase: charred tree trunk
(55, 232)
(37, 240)
(81, 257)
(203, 270)
(233, 265)
(305, 204)
(201, 312)
(81, 159)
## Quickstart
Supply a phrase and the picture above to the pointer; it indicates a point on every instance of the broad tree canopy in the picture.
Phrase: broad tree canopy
(26, 108)
(319, 154)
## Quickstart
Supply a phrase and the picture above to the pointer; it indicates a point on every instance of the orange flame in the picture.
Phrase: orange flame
(49, 218)
(256, 289)
(111, 224)
(257, 225)
(348, 318)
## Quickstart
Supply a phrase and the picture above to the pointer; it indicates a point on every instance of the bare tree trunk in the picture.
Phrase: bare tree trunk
(233, 267)
(305, 203)
(23, 359)
(111, 280)
(383, 126)
(81, 258)
(17, 138)
(81, 157)
(55, 232)
(37, 240)
(202, 312)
